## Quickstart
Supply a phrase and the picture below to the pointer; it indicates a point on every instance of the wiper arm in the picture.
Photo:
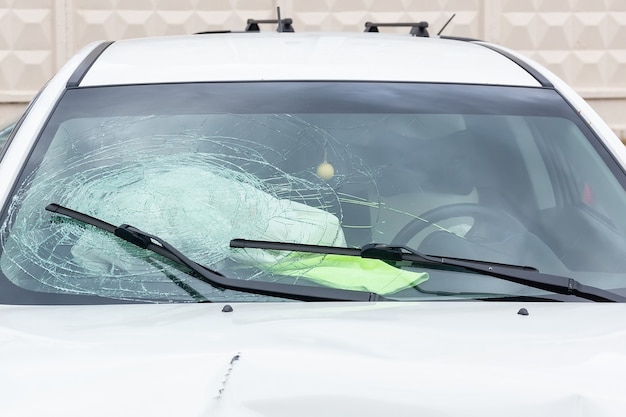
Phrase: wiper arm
(161, 247)
(518, 274)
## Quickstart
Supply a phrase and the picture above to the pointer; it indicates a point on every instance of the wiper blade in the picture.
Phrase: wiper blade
(518, 274)
(161, 247)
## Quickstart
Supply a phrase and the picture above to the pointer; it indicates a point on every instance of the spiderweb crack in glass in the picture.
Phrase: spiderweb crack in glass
(195, 187)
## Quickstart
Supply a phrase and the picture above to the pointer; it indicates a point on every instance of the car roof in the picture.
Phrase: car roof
(302, 56)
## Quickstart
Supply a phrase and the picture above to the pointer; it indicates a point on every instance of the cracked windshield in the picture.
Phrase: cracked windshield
(470, 172)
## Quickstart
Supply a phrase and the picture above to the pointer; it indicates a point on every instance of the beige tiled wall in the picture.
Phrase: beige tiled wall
(583, 41)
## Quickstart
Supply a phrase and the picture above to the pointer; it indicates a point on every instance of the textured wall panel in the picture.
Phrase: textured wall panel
(583, 41)
(27, 46)
(114, 20)
(341, 15)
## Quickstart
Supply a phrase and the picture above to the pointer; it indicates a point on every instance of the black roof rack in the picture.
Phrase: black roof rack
(252, 25)
(284, 25)
(417, 29)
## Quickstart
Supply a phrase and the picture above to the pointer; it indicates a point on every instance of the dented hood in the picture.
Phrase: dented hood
(317, 359)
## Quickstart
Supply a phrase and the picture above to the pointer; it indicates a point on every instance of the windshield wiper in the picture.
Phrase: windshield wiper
(518, 274)
(159, 246)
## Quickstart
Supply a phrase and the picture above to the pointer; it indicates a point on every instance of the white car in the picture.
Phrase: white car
(311, 224)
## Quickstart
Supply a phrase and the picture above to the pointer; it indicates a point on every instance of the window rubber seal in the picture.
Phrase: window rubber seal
(83, 68)
(524, 65)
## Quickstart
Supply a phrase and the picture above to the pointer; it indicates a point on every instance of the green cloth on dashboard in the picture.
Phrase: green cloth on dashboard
(348, 272)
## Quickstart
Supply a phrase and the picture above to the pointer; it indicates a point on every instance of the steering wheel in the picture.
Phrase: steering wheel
(490, 224)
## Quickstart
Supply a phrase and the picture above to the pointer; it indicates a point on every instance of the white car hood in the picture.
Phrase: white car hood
(316, 359)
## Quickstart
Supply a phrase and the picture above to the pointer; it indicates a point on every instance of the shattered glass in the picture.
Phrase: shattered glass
(196, 181)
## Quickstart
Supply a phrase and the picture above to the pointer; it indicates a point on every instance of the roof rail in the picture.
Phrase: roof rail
(211, 32)
(417, 29)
